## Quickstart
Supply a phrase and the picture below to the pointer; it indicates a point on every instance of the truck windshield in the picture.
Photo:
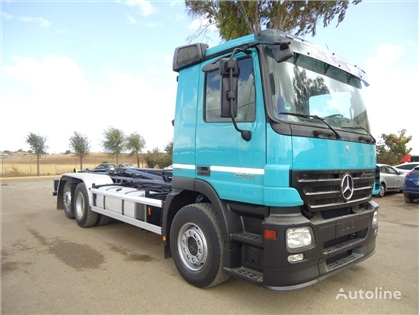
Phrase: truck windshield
(304, 88)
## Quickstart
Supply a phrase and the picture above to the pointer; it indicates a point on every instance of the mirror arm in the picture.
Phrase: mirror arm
(246, 134)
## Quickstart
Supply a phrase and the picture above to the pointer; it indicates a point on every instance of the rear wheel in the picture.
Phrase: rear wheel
(85, 217)
(67, 200)
(197, 246)
(409, 199)
(103, 219)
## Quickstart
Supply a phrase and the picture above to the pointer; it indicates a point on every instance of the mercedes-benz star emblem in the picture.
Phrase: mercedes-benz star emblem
(347, 187)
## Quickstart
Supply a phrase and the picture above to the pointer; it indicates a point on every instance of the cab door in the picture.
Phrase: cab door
(232, 165)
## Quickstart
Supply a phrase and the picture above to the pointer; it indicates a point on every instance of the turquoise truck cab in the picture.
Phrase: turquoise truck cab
(271, 132)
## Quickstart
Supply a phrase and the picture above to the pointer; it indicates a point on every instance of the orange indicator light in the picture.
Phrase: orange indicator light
(270, 234)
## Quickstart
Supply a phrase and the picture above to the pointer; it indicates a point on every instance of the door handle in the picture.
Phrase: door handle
(203, 170)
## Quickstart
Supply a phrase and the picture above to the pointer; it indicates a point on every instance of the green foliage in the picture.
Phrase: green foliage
(37, 143)
(114, 142)
(80, 145)
(38, 147)
(238, 18)
(158, 159)
(135, 143)
(67, 152)
(14, 172)
(391, 147)
(169, 148)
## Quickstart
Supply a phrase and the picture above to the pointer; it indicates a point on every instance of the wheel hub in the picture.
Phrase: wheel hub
(192, 246)
(80, 206)
(67, 199)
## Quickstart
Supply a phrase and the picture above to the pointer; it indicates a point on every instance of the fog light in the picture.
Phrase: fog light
(295, 258)
(299, 237)
(375, 219)
(376, 231)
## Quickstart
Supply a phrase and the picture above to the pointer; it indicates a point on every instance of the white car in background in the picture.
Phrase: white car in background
(406, 167)
(391, 179)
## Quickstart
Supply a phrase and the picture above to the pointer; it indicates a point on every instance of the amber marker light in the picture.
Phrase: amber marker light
(270, 234)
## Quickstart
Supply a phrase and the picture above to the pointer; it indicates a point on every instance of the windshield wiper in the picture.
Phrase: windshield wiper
(369, 139)
(315, 132)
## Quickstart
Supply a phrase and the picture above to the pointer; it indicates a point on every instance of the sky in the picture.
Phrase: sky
(86, 66)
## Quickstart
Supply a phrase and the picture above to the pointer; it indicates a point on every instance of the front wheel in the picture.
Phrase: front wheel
(382, 190)
(197, 246)
(85, 217)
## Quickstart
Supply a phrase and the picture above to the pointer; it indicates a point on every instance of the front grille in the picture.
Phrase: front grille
(321, 190)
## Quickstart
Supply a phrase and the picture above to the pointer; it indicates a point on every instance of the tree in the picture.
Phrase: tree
(114, 142)
(38, 147)
(157, 158)
(238, 18)
(135, 143)
(169, 149)
(391, 147)
(80, 145)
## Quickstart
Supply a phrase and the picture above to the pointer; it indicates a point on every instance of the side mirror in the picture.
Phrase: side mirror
(229, 72)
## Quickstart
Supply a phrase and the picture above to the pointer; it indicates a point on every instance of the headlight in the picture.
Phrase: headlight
(375, 219)
(299, 237)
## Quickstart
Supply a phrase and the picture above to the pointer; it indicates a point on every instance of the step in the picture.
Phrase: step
(247, 274)
(341, 246)
(342, 262)
(248, 238)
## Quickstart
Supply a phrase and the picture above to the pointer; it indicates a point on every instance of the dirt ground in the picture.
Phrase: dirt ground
(49, 265)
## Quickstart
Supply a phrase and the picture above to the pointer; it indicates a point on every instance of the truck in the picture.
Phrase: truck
(274, 167)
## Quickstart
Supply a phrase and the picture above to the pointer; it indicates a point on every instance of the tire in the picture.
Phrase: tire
(409, 199)
(382, 190)
(68, 210)
(85, 217)
(197, 245)
(103, 220)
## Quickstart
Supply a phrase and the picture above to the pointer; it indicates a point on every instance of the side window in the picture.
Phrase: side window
(246, 94)
(392, 171)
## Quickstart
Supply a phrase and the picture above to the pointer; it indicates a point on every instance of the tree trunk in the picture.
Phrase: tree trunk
(37, 164)
(81, 163)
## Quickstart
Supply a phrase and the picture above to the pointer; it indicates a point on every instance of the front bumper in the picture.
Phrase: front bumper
(297, 278)
(339, 243)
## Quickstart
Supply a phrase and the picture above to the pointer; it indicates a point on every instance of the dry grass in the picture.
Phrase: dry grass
(21, 164)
